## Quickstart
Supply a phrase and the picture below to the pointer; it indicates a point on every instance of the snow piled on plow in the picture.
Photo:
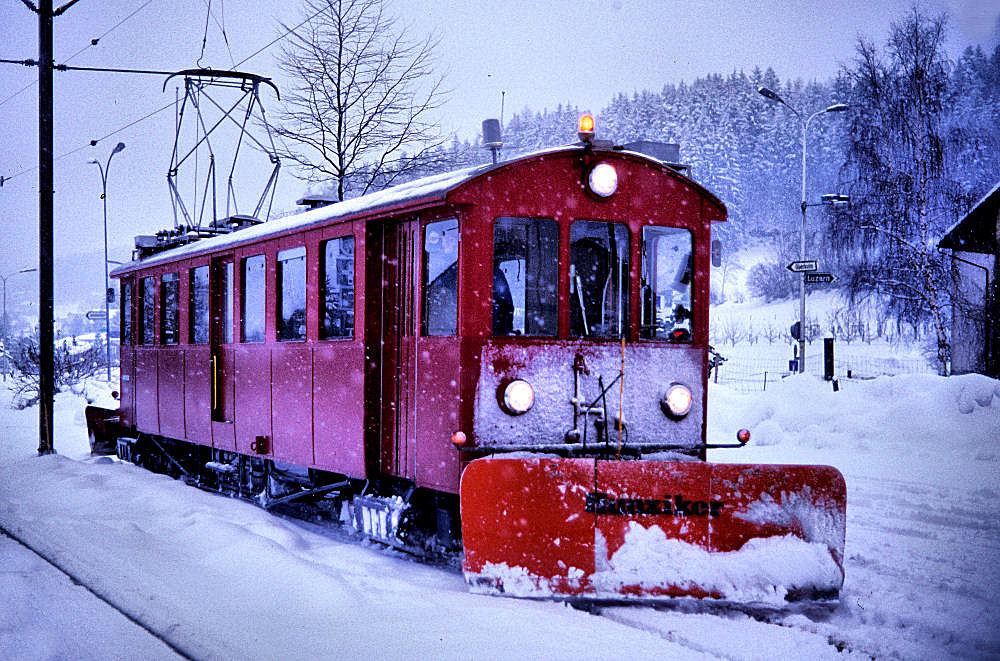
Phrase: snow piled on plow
(766, 570)
(798, 510)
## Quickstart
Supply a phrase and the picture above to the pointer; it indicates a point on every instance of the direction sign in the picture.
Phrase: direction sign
(805, 265)
(819, 278)
(96, 315)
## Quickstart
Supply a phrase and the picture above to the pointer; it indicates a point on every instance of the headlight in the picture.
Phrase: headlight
(677, 401)
(518, 396)
(603, 179)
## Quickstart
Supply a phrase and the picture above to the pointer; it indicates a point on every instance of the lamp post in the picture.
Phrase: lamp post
(838, 107)
(104, 196)
(6, 366)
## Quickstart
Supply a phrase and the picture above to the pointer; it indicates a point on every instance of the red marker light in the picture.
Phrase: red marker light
(743, 436)
(459, 438)
(114, 394)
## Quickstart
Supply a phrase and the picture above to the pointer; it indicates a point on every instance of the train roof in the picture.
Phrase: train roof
(415, 194)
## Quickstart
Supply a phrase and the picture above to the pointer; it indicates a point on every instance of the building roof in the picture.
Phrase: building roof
(978, 230)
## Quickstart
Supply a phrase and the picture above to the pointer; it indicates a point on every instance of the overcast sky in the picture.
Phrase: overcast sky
(540, 53)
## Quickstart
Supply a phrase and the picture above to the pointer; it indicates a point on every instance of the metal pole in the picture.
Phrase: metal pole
(105, 171)
(46, 339)
(802, 256)
(6, 325)
(4, 278)
(838, 107)
(3, 344)
(107, 318)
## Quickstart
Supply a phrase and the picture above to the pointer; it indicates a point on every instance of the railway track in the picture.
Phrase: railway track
(163, 637)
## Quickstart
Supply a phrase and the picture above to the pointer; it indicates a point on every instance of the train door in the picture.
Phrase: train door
(126, 351)
(394, 326)
(221, 340)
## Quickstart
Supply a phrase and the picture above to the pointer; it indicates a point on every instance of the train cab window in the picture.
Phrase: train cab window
(170, 332)
(525, 276)
(598, 279)
(337, 315)
(198, 305)
(291, 307)
(440, 273)
(125, 313)
(147, 309)
(666, 284)
(253, 298)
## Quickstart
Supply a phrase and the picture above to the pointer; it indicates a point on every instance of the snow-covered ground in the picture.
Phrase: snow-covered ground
(220, 579)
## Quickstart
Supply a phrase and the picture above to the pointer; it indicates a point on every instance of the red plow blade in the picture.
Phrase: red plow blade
(596, 529)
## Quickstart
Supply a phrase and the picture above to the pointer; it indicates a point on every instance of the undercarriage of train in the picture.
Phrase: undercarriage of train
(390, 511)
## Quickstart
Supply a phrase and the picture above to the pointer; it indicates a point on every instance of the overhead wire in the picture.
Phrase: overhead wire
(221, 25)
(279, 38)
(169, 105)
(93, 42)
(204, 38)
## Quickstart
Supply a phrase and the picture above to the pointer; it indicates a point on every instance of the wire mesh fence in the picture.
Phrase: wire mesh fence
(757, 373)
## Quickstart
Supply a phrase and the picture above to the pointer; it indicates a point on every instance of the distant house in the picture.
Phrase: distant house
(974, 240)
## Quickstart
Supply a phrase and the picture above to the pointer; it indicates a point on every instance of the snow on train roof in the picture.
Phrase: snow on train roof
(426, 188)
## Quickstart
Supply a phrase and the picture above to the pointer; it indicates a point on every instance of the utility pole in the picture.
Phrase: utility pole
(46, 321)
(804, 122)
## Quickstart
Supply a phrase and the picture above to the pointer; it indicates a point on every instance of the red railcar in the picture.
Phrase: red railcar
(540, 325)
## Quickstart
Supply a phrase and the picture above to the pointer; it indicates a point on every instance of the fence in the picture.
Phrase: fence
(756, 373)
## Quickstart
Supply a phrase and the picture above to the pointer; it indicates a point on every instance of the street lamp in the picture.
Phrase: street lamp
(6, 365)
(104, 196)
(837, 107)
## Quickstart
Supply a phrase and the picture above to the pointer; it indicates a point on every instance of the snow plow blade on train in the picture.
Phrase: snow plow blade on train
(593, 529)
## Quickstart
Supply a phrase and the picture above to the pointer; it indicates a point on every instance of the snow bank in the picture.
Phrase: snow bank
(942, 430)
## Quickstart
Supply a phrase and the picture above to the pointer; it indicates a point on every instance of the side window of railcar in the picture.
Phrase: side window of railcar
(525, 276)
(291, 306)
(253, 298)
(226, 274)
(337, 315)
(667, 260)
(598, 279)
(169, 309)
(440, 278)
(198, 305)
(147, 312)
(125, 313)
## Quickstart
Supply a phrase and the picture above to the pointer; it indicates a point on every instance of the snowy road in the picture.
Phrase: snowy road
(222, 579)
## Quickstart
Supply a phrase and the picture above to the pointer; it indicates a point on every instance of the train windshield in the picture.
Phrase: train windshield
(666, 284)
(525, 276)
(598, 279)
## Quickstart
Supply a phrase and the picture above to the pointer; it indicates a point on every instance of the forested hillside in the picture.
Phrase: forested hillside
(917, 147)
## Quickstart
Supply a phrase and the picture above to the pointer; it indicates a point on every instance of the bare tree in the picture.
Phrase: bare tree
(73, 363)
(360, 111)
(901, 158)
